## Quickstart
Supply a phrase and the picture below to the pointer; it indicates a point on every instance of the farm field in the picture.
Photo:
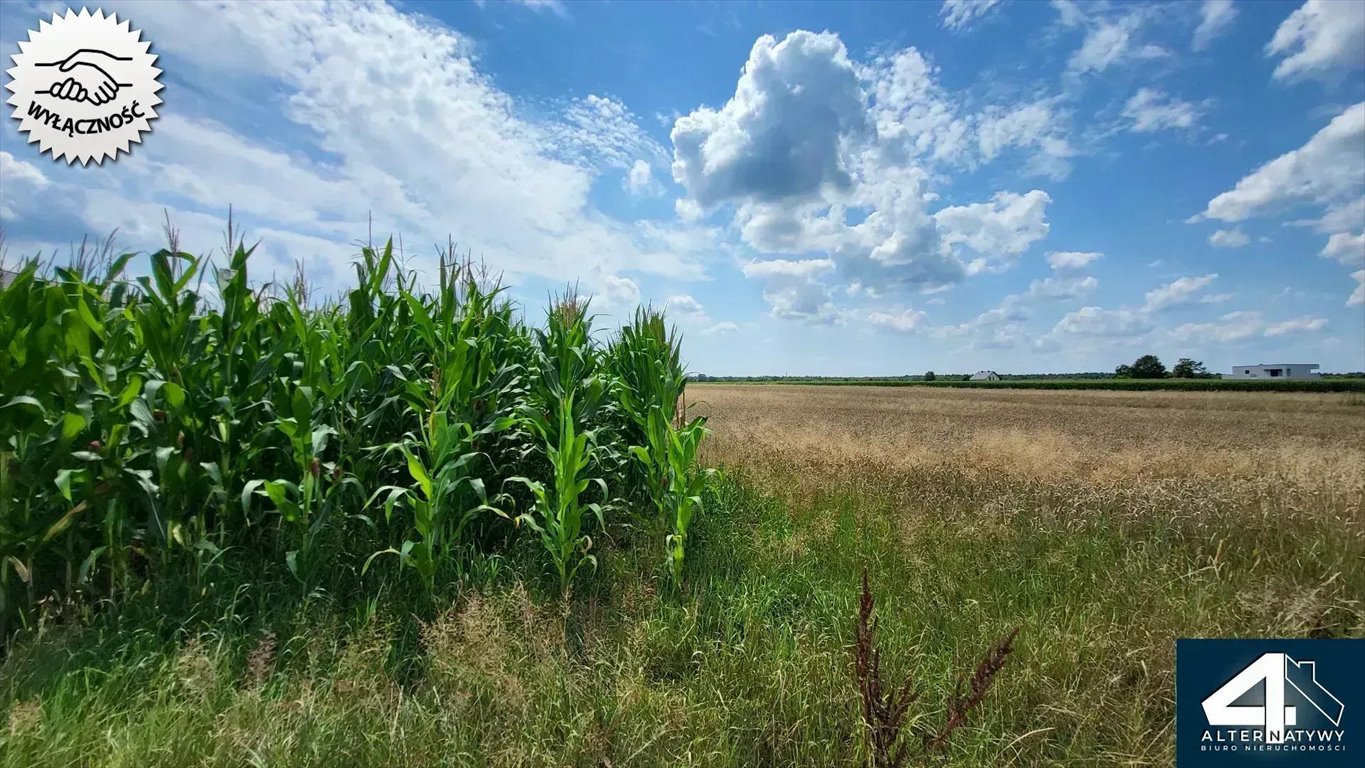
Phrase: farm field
(1103, 525)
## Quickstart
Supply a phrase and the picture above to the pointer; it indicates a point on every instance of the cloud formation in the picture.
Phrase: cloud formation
(1319, 38)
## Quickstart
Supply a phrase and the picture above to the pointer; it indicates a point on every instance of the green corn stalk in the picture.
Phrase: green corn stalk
(568, 394)
(650, 383)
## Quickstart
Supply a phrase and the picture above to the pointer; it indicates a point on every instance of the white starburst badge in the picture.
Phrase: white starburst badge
(84, 86)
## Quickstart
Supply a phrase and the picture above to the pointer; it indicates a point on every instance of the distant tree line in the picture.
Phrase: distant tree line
(1145, 367)
(1151, 367)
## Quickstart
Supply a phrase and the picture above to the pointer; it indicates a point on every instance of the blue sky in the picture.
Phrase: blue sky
(836, 188)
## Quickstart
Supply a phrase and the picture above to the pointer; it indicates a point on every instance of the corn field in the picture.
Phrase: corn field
(155, 428)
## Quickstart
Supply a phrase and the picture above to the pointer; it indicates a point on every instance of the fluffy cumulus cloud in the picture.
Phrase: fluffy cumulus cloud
(960, 14)
(684, 306)
(784, 134)
(616, 294)
(793, 289)
(19, 176)
(640, 180)
(1358, 295)
(1214, 17)
(1228, 238)
(904, 321)
(1061, 260)
(818, 154)
(1320, 38)
(464, 159)
(1327, 171)
(1151, 110)
(997, 230)
(1346, 248)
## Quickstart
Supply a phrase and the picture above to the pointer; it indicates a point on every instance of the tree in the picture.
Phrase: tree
(1185, 368)
(1145, 367)
(929, 376)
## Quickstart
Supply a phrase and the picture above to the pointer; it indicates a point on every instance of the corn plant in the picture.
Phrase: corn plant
(153, 429)
(465, 331)
(650, 387)
(567, 395)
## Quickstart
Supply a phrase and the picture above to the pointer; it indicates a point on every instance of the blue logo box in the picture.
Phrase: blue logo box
(1269, 703)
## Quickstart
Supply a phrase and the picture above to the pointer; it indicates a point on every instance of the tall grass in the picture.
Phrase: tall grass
(153, 428)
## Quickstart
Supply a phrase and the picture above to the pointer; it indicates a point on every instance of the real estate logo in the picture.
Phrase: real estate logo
(1270, 702)
(84, 86)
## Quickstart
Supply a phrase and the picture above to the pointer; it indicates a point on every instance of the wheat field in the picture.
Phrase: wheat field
(1306, 441)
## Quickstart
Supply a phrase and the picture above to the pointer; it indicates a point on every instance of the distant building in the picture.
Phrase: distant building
(985, 376)
(7, 277)
(1274, 371)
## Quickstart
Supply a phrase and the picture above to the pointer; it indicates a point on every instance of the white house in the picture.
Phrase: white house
(985, 376)
(1274, 371)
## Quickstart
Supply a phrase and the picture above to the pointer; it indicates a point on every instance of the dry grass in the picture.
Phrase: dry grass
(1311, 440)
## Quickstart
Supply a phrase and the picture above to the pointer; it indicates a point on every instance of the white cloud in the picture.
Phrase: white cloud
(1151, 110)
(1036, 125)
(1320, 37)
(811, 142)
(1214, 17)
(1060, 260)
(1303, 324)
(1110, 39)
(639, 180)
(1329, 170)
(684, 306)
(783, 135)
(1229, 238)
(618, 295)
(1181, 291)
(725, 326)
(1001, 327)
(1095, 321)
(912, 113)
(16, 171)
(1053, 288)
(600, 132)
(960, 14)
(16, 174)
(1234, 326)
(904, 321)
(462, 159)
(1246, 324)
(1358, 295)
(1000, 229)
(917, 118)
(792, 290)
(1346, 248)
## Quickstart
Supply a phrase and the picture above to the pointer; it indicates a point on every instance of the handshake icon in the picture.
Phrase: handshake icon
(86, 76)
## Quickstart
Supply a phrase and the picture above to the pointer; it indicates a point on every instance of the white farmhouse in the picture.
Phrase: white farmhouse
(1274, 371)
(985, 376)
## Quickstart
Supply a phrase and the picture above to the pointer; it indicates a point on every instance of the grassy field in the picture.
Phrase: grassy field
(1103, 524)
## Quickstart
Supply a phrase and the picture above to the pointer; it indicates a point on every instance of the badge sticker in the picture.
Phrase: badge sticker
(84, 86)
